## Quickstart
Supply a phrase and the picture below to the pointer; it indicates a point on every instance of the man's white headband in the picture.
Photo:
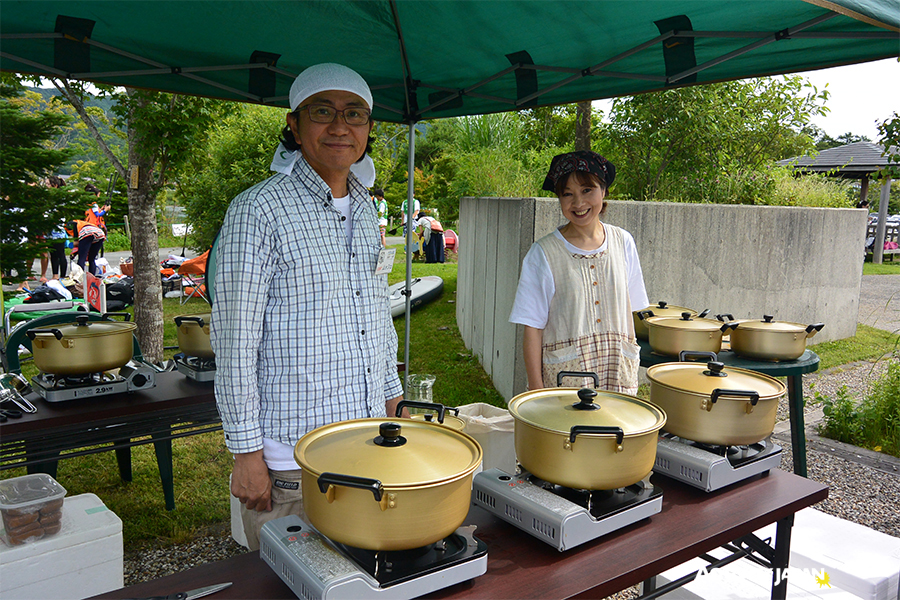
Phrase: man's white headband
(328, 76)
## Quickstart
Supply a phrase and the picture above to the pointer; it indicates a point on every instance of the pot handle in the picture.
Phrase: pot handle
(814, 329)
(440, 409)
(684, 354)
(725, 317)
(704, 312)
(561, 374)
(729, 325)
(126, 316)
(604, 429)
(56, 333)
(643, 314)
(180, 319)
(362, 483)
(718, 393)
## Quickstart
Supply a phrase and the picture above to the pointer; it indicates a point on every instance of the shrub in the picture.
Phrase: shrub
(875, 422)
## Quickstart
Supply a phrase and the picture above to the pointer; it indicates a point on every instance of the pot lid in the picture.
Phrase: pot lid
(84, 328)
(685, 321)
(664, 309)
(559, 409)
(397, 452)
(767, 324)
(702, 379)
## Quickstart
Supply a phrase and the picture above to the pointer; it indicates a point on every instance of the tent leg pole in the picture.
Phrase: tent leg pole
(411, 181)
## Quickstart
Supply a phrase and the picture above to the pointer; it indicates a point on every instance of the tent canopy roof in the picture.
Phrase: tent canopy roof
(851, 160)
(439, 58)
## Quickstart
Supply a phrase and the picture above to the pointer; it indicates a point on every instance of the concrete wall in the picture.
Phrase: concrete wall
(799, 264)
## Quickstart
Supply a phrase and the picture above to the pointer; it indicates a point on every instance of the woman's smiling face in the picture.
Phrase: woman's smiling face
(581, 199)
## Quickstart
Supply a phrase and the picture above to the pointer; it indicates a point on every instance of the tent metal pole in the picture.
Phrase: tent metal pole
(410, 206)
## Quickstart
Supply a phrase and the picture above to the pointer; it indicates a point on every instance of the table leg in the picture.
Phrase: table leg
(123, 459)
(781, 557)
(798, 427)
(164, 462)
(49, 467)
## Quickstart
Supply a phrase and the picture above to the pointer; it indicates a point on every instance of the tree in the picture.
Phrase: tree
(732, 129)
(30, 209)
(234, 156)
(162, 132)
(583, 125)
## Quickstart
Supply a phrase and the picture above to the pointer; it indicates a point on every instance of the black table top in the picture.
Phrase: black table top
(807, 363)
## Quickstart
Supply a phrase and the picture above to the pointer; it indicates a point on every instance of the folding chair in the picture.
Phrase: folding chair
(193, 278)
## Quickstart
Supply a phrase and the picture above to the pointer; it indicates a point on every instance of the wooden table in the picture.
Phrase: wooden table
(793, 370)
(691, 523)
(176, 407)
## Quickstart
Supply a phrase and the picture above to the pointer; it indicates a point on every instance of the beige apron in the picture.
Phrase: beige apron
(590, 327)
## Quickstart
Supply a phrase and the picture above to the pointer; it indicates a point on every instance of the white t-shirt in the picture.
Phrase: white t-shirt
(536, 287)
(279, 456)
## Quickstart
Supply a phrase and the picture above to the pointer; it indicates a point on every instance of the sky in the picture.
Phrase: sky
(860, 95)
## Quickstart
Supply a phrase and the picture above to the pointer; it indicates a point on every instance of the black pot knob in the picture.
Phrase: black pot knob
(685, 316)
(389, 435)
(586, 400)
(768, 318)
(715, 369)
(82, 320)
(663, 304)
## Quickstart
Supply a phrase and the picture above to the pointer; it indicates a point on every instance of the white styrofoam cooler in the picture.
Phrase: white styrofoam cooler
(860, 563)
(84, 559)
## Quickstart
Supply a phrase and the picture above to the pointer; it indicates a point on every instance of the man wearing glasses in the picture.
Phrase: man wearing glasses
(301, 323)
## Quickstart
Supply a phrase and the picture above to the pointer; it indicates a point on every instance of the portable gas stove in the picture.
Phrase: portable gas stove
(317, 568)
(59, 388)
(196, 368)
(561, 516)
(713, 467)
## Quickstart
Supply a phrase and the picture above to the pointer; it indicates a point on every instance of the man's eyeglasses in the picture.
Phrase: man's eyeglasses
(322, 113)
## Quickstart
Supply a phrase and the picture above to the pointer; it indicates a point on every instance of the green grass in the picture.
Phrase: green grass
(868, 344)
(885, 268)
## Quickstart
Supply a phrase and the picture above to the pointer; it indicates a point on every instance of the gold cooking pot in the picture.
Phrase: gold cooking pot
(193, 335)
(714, 404)
(382, 485)
(452, 421)
(585, 438)
(82, 347)
(671, 335)
(660, 309)
(772, 340)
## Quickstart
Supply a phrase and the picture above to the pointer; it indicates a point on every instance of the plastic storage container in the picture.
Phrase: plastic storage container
(31, 507)
(84, 559)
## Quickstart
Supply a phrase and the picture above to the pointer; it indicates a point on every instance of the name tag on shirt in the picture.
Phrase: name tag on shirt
(385, 261)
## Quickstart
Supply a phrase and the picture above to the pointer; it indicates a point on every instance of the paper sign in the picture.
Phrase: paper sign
(385, 261)
(95, 292)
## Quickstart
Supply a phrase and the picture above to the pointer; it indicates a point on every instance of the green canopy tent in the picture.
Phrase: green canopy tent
(441, 58)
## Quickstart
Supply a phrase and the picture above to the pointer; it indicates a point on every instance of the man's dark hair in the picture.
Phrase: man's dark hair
(378, 192)
(91, 188)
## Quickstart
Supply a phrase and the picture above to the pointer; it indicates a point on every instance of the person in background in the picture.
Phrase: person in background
(302, 333)
(579, 283)
(58, 237)
(381, 208)
(432, 239)
(95, 214)
(415, 215)
(90, 239)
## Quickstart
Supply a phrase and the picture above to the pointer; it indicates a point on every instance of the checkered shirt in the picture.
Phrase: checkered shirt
(301, 325)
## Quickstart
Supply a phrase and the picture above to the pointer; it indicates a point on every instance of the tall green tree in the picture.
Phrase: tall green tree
(660, 140)
(163, 131)
(234, 155)
(28, 157)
